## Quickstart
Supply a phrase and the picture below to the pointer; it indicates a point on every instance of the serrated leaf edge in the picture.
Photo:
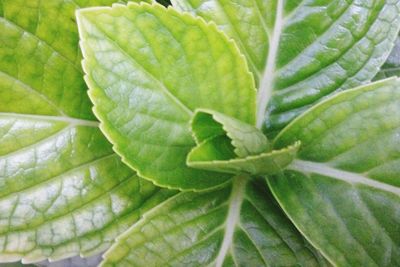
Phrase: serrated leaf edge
(102, 126)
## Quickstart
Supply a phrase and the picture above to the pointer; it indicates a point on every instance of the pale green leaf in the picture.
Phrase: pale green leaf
(63, 191)
(237, 225)
(227, 145)
(265, 163)
(302, 51)
(343, 192)
(245, 139)
(148, 68)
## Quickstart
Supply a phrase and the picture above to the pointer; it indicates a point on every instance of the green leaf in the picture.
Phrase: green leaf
(343, 192)
(63, 191)
(265, 163)
(148, 68)
(392, 64)
(302, 51)
(245, 139)
(237, 225)
(227, 145)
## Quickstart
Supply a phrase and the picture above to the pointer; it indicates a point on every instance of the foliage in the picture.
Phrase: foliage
(243, 133)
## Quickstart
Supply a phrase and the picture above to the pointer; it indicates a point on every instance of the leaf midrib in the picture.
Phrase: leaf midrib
(233, 217)
(353, 178)
(266, 83)
(68, 120)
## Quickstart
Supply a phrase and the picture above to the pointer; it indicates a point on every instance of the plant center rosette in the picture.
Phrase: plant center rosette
(227, 145)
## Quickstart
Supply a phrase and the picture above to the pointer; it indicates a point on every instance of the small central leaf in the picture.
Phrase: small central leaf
(245, 139)
(148, 68)
(227, 145)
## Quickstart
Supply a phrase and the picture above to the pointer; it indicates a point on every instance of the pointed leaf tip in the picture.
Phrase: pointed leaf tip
(227, 145)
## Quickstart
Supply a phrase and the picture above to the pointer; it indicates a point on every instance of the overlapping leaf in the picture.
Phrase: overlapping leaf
(392, 64)
(148, 68)
(145, 94)
(245, 139)
(343, 192)
(302, 51)
(63, 191)
(227, 145)
(237, 225)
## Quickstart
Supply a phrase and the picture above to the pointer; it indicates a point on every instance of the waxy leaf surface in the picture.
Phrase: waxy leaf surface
(237, 225)
(245, 139)
(343, 191)
(148, 68)
(302, 51)
(230, 146)
(63, 191)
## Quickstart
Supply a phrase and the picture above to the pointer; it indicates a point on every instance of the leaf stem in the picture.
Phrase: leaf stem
(346, 176)
(265, 91)
(235, 204)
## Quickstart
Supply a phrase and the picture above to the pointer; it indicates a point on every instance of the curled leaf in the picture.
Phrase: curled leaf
(227, 145)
